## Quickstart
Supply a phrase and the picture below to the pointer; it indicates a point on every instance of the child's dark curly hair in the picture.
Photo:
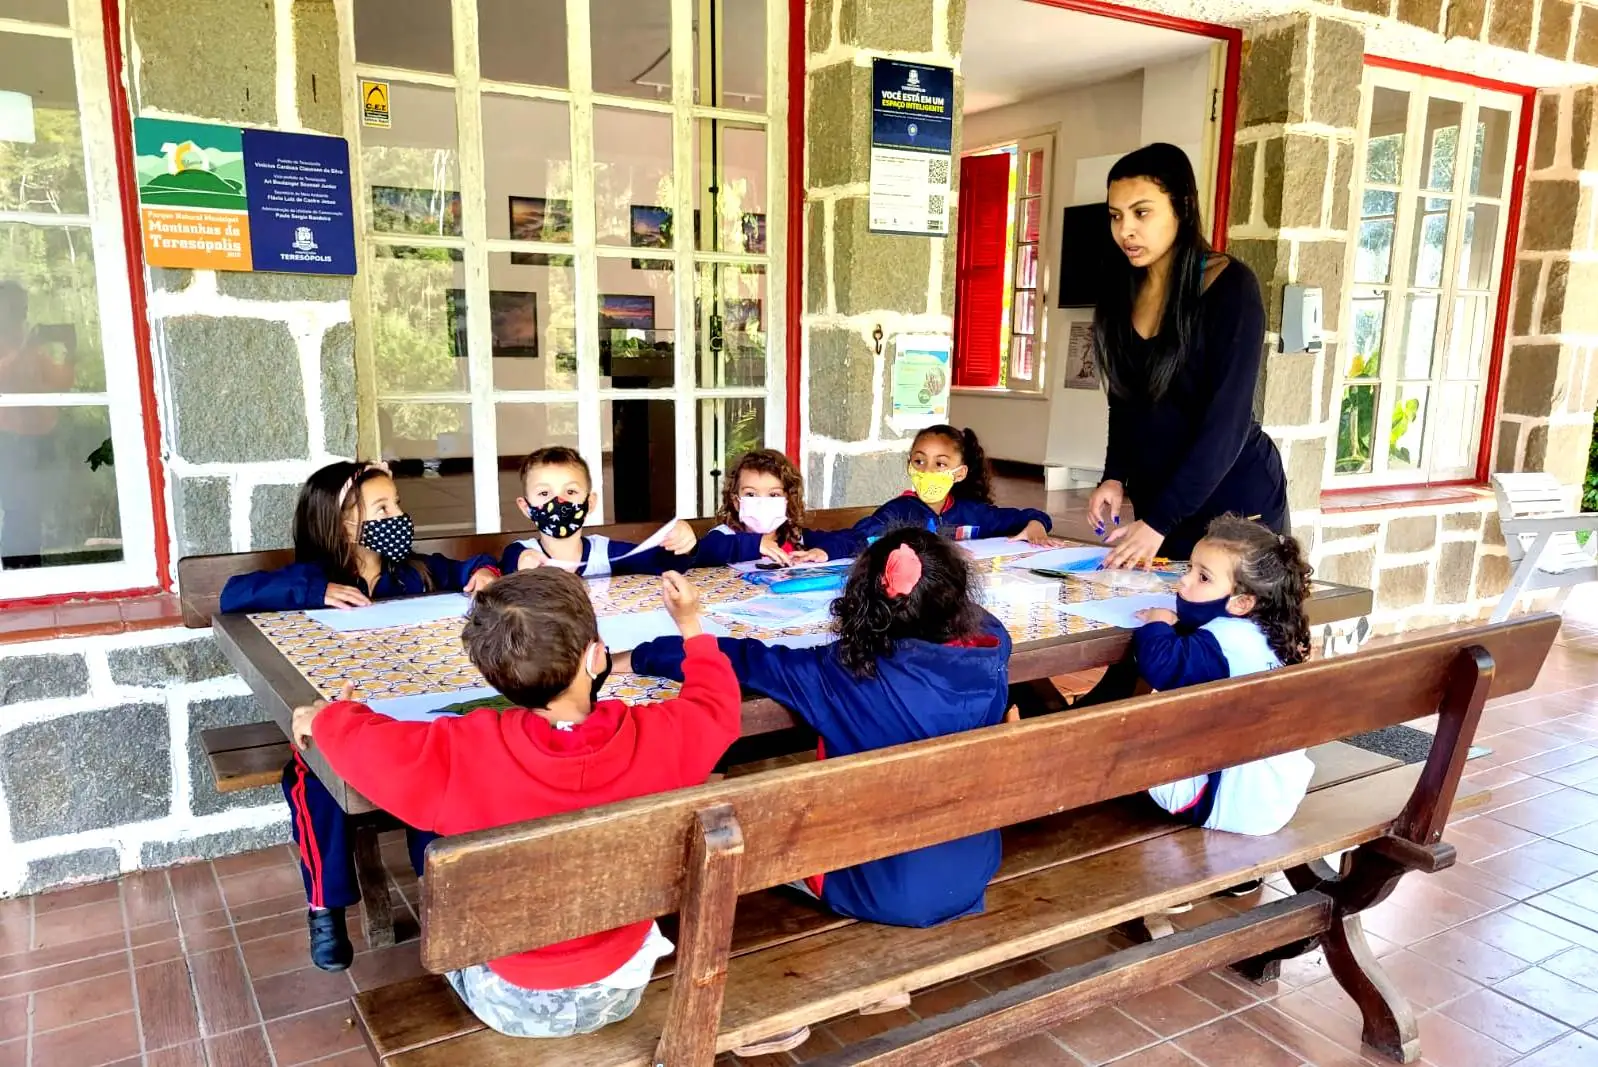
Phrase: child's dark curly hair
(941, 608)
(1271, 568)
(978, 481)
(765, 461)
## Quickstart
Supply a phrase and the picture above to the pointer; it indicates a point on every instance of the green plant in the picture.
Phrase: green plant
(1356, 421)
(1589, 488)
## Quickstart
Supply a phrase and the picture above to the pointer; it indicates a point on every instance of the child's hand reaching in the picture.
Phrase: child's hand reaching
(345, 596)
(1033, 533)
(682, 603)
(809, 555)
(773, 551)
(528, 561)
(681, 540)
(482, 578)
(621, 663)
(305, 717)
(1164, 615)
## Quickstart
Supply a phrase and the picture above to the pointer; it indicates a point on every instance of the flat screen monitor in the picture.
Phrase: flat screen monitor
(1086, 246)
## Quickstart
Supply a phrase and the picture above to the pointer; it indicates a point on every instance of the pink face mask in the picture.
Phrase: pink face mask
(762, 514)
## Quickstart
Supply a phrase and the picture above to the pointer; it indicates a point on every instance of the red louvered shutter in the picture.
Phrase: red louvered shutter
(980, 250)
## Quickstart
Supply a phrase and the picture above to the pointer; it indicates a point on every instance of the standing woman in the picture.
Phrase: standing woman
(1178, 337)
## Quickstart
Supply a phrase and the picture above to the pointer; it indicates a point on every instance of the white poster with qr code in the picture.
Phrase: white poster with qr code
(912, 141)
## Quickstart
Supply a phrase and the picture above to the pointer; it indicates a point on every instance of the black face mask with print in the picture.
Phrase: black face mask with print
(599, 679)
(559, 518)
(390, 538)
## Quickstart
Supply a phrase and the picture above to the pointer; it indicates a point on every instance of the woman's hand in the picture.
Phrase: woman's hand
(1164, 615)
(681, 540)
(481, 579)
(1104, 506)
(773, 551)
(1133, 546)
(345, 596)
(305, 717)
(809, 555)
(1033, 533)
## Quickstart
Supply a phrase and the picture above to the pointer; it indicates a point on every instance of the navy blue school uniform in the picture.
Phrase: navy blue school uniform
(920, 690)
(602, 557)
(322, 832)
(724, 545)
(959, 520)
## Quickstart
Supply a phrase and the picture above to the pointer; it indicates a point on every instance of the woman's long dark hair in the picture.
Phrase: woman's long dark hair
(1271, 568)
(978, 482)
(941, 608)
(319, 533)
(1124, 373)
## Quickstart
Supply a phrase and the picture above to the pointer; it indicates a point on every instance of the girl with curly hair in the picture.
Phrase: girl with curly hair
(762, 517)
(1239, 610)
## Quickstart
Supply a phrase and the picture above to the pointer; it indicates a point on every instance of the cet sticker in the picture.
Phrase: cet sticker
(374, 104)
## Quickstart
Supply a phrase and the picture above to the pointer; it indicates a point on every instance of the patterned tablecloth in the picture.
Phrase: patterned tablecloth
(428, 658)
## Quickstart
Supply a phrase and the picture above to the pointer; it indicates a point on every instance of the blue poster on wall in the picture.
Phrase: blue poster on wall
(297, 187)
(912, 145)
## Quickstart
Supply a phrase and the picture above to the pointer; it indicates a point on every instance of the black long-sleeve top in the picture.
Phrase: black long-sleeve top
(1198, 452)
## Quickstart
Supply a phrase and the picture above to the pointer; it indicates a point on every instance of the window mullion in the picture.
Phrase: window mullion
(1401, 273)
(580, 72)
(1464, 156)
(684, 56)
(777, 207)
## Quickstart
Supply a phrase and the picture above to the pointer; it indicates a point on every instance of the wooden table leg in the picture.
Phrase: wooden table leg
(377, 911)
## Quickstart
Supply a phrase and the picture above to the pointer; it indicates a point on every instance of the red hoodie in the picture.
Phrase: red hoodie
(491, 768)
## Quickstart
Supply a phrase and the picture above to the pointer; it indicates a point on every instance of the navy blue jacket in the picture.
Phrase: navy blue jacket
(304, 585)
(724, 545)
(601, 557)
(962, 520)
(1169, 657)
(921, 690)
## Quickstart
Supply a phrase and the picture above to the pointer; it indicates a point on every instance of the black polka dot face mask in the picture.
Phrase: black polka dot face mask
(390, 538)
(558, 517)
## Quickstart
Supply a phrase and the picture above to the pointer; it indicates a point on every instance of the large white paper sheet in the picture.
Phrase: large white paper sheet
(1064, 559)
(623, 633)
(997, 547)
(1122, 611)
(754, 565)
(408, 612)
(654, 540)
(778, 611)
(424, 707)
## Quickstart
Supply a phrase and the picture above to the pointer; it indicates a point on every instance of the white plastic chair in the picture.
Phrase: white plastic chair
(1540, 538)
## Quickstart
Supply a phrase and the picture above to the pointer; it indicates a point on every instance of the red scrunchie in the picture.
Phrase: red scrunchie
(902, 572)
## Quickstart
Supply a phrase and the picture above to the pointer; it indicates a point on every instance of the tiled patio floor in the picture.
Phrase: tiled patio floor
(205, 964)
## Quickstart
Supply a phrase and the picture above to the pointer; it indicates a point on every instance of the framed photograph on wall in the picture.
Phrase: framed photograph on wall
(1080, 370)
(430, 212)
(535, 218)
(514, 319)
(626, 311)
(651, 228)
(754, 230)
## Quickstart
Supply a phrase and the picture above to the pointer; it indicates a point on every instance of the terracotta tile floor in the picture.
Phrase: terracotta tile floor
(205, 964)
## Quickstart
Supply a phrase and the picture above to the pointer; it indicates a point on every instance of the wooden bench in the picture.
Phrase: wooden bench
(752, 961)
(1540, 538)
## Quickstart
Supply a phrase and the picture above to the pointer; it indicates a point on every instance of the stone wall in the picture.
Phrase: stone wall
(856, 281)
(101, 768)
(257, 370)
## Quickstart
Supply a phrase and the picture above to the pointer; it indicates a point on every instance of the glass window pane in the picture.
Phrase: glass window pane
(413, 169)
(1373, 261)
(1023, 365)
(1458, 430)
(641, 459)
(1443, 118)
(1420, 335)
(1354, 424)
(58, 493)
(742, 54)
(418, 322)
(1026, 311)
(1370, 317)
(41, 156)
(1030, 219)
(736, 351)
(1404, 436)
(633, 188)
(1384, 157)
(49, 311)
(521, 429)
(637, 322)
(1467, 336)
(632, 47)
(1479, 247)
(1494, 128)
(415, 37)
(522, 41)
(533, 320)
(740, 197)
(1378, 203)
(1431, 237)
(1026, 267)
(527, 171)
(429, 447)
(51, 12)
(1033, 186)
(728, 427)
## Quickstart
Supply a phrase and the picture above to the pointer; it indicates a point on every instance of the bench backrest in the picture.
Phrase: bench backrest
(1536, 495)
(513, 888)
(200, 578)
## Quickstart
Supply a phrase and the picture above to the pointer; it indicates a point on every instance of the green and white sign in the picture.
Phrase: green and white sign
(922, 373)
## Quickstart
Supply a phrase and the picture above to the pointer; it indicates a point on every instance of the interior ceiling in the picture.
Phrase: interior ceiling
(1016, 50)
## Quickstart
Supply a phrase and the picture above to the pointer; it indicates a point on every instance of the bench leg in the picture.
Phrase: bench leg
(1389, 1024)
(377, 911)
(704, 941)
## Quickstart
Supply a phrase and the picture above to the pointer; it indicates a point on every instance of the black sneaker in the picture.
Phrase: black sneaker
(330, 941)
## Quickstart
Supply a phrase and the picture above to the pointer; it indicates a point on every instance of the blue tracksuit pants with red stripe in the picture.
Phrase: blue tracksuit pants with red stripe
(325, 838)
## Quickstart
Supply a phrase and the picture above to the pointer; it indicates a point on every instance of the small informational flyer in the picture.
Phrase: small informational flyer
(1080, 370)
(912, 147)
(921, 377)
(224, 198)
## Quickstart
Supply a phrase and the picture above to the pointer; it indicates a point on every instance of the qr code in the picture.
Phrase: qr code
(935, 204)
(938, 172)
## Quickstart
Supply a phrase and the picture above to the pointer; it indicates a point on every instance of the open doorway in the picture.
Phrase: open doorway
(1042, 126)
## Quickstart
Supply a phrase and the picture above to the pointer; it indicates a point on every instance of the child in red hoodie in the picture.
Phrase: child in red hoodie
(534, 637)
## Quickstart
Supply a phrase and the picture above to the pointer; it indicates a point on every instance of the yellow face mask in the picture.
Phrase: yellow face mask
(932, 487)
